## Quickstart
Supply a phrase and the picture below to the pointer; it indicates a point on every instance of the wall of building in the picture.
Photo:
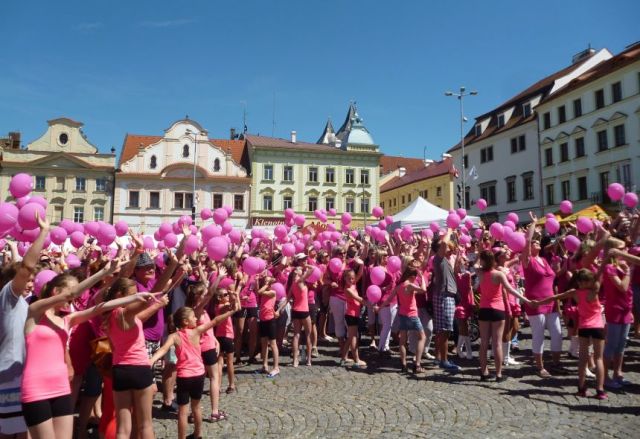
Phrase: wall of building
(439, 190)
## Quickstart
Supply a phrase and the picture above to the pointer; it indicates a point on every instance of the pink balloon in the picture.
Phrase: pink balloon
(496, 230)
(159, 261)
(220, 215)
(615, 191)
(394, 264)
(382, 225)
(584, 225)
(280, 231)
(572, 243)
(462, 213)
(27, 215)
(300, 246)
(427, 233)
(566, 207)
(280, 291)
(299, 220)
(377, 275)
(513, 217)
(407, 232)
(374, 294)
(170, 240)
(8, 215)
(289, 213)
(510, 225)
(22, 201)
(335, 265)
(107, 234)
(191, 244)
(92, 228)
(630, 200)
(31, 235)
(38, 199)
(434, 226)
(206, 214)
(67, 225)
(209, 232)
(346, 218)
(453, 220)
(77, 239)
(517, 241)
(468, 224)
(332, 212)
(235, 236)
(478, 233)
(185, 220)
(388, 219)
(317, 245)
(288, 250)
(252, 266)
(465, 240)
(482, 204)
(229, 209)
(122, 228)
(73, 261)
(41, 279)
(315, 275)
(164, 229)
(377, 212)
(58, 235)
(552, 226)
(21, 185)
(227, 227)
(147, 243)
(218, 248)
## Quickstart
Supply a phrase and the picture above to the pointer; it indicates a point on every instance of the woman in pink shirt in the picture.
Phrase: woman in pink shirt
(46, 392)
(616, 286)
(590, 329)
(492, 314)
(352, 317)
(298, 293)
(512, 306)
(267, 326)
(190, 367)
(224, 333)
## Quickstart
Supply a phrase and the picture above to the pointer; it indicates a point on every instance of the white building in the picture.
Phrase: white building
(155, 177)
(590, 133)
(502, 146)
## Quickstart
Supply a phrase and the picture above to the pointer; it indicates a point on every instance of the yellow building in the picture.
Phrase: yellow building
(433, 182)
(68, 172)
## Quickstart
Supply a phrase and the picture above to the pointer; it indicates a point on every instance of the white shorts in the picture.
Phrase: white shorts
(10, 405)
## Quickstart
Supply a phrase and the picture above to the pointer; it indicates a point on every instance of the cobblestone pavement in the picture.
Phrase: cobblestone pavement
(325, 400)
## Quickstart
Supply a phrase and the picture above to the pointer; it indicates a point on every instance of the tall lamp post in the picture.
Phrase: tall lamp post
(461, 95)
(195, 161)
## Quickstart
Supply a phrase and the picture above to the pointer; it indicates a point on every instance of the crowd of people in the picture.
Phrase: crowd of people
(105, 323)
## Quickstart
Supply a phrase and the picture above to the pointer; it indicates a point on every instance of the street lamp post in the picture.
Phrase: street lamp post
(195, 161)
(460, 95)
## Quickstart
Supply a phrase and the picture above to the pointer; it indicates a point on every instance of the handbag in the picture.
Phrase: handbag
(101, 355)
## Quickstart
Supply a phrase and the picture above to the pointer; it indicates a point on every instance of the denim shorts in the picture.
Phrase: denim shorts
(616, 339)
(410, 323)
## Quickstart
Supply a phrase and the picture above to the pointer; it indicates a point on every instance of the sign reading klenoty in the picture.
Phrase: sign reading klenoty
(266, 221)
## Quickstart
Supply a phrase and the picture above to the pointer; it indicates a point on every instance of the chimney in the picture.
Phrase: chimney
(293, 137)
(338, 143)
(14, 140)
(232, 133)
(427, 162)
(402, 171)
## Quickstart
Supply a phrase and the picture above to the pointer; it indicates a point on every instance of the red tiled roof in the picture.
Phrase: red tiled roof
(389, 163)
(623, 59)
(433, 170)
(133, 141)
(277, 143)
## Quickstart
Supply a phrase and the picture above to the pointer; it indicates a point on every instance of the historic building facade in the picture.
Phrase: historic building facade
(590, 133)
(68, 172)
(433, 182)
(501, 150)
(156, 177)
(339, 172)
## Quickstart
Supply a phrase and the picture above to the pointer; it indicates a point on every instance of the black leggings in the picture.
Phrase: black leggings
(190, 387)
(37, 412)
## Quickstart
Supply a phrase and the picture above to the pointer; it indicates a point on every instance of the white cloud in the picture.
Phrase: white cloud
(167, 23)
(88, 26)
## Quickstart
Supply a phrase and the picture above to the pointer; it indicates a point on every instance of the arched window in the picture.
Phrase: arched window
(154, 162)
(185, 151)
(216, 165)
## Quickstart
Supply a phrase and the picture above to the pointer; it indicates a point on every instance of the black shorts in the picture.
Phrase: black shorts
(490, 315)
(92, 383)
(251, 312)
(189, 388)
(594, 333)
(267, 329)
(39, 411)
(240, 314)
(226, 345)
(128, 377)
(210, 357)
(299, 315)
(352, 320)
(313, 312)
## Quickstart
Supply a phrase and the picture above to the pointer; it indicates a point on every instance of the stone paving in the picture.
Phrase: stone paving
(327, 401)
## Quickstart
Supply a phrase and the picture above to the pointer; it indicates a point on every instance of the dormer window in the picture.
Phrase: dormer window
(153, 162)
(216, 165)
(478, 129)
(185, 151)
(526, 110)
(501, 121)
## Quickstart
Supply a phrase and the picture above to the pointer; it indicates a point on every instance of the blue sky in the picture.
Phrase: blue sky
(137, 66)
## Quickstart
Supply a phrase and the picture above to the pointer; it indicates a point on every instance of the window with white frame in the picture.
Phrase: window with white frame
(349, 205)
(287, 173)
(527, 184)
(101, 184)
(287, 202)
(217, 201)
(267, 202)
(565, 187)
(268, 172)
(550, 193)
(619, 135)
(313, 204)
(134, 199)
(364, 176)
(238, 202)
(488, 192)
(81, 184)
(329, 175)
(330, 203)
(98, 213)
(349, 176)
(40, 182)
(78, 214)
(154, 200)
(313, 175)
(182, 200)
(364, 205)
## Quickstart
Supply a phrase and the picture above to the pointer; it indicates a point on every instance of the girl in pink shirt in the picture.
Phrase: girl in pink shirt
(352, 317)
(267, 326)
(190, 367)
(224, 333)
(298, 292)
(46, 393)
(590, 329)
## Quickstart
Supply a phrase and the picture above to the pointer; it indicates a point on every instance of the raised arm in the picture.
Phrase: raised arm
(28, 266)
(233, 308)
(531, 229)
(502, 278)
(82, 316)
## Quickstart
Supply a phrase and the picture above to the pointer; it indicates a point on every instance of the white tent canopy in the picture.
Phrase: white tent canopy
(420, 214)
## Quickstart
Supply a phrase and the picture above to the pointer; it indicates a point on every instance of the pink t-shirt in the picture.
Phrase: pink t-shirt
(248, 298)
(618, 304)
(208, 340)
(189, 356)
(300, 298)
(267, 308)
(337, 291)
(589, 313)
(225, 328)
(406, 302)
(538, 284)
(128, 347)
(45, 373)
(490, 293)
(353, 306)
(387, 286)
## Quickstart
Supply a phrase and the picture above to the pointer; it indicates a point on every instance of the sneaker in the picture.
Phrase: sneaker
(329, 339)
(601, 395)
(314, 353)
(170, 408)
(448, 365)
(622, 381)
(612, 384)
(589, 374)
(511, 362)
(428, 356)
